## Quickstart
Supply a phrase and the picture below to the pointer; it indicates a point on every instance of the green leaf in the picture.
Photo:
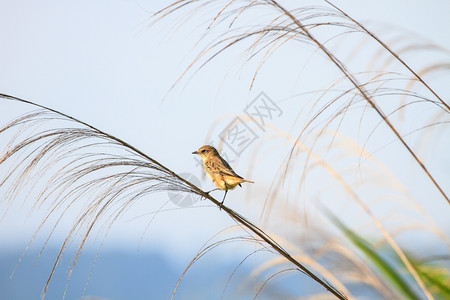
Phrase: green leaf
(389, 273)
(436, 277)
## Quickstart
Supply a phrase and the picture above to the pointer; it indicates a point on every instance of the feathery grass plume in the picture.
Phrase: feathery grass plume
(73, 164)
(316, 26)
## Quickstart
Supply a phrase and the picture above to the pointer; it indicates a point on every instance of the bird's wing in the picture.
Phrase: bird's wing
(226, 169)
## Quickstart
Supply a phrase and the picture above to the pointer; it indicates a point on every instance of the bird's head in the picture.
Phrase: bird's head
(206, 152)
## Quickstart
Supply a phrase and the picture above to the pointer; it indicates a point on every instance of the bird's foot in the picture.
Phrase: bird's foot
(207, 193)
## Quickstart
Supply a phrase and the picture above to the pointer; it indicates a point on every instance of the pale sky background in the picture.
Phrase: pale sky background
(99, 61)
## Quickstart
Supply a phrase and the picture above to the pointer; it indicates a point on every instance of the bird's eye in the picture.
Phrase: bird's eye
(203, 151)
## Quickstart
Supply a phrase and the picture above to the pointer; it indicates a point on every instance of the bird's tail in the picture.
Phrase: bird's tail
(245, 180)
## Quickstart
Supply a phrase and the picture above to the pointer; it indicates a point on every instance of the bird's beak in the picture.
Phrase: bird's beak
(195, 152)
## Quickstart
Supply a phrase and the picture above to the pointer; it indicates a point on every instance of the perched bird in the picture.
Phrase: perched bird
(218, 170)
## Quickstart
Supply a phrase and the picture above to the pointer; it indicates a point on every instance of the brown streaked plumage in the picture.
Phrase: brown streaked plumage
(218, 170)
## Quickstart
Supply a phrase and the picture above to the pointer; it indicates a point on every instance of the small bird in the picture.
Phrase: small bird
(218, 170)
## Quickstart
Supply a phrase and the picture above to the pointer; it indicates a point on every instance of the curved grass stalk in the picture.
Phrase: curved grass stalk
(305, 30)
(306, 259)
(206, 249)
(392, 52)
(388, 237)
(365, 94)
(236, 268)
(143, 175)
(270, 278)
